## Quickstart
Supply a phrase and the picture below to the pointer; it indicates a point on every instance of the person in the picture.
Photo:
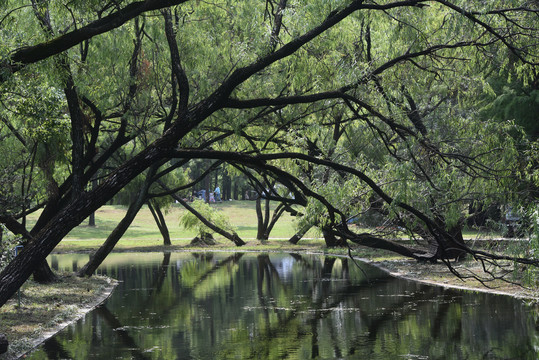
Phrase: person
(217, 193)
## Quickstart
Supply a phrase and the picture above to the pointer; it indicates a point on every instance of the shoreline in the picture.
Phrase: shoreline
(525, 294)
(19, 348)
(81, 312)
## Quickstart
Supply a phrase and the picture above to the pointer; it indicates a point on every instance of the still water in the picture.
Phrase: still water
(279, 306)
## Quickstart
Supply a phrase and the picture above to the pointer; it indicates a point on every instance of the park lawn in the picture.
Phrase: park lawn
(144, 233)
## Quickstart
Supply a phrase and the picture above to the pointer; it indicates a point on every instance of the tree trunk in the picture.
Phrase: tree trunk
(297, 236)
(264, 219)
(43, 274)
(260, 220)
(91, 219)
(160, 222)
(97, 258)
(232, 237)
(332, 240)
(207, 188)
(451, 248)
(227, 187)
(235, 195)
(277, 213)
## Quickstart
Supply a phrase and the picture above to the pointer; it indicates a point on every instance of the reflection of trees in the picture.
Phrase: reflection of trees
(55, 350)
(268, 275)
(311, 308)
(126, 339)
(291, 328)
(235, 258)
(161, 275)
(186, 294)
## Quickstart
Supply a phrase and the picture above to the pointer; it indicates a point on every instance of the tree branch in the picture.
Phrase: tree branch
(32, 54)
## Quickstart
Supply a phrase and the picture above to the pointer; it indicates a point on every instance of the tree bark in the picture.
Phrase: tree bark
(232, 237)
(160, 221)
(260, 220)
(264, 224)
(297, 236)
(99, 256)
(91, 219)
(331, 240)
(277, 213)
(43, 274)
(227, 187)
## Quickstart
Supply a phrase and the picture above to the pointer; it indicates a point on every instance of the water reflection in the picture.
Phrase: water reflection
(266, 306)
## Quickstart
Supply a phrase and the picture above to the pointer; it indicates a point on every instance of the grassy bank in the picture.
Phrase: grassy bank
(38, 311)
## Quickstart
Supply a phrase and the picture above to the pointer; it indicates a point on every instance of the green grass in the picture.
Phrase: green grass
(42, 308)
(143, 232)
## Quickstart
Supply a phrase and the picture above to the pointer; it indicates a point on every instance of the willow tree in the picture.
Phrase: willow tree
(345, 104)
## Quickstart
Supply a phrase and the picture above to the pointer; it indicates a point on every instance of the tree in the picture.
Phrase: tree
(206, 221)
(251, 84)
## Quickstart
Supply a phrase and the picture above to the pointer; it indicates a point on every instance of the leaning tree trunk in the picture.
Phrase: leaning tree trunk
(43, 274)
(160, 221)
(299, 235)
(232, 237)
(99, 256)
(331, 240)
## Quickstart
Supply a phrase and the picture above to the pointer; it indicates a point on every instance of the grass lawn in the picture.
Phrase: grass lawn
(143, 232)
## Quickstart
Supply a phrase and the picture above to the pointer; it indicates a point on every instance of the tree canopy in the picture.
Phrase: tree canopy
(337, 109)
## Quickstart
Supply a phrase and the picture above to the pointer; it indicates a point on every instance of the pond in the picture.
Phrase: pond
(218, 305)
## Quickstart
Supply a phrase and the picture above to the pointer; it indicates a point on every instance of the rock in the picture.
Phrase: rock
(3, 343)
(205, 240)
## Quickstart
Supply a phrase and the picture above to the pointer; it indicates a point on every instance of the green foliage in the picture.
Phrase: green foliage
(189, 221)
(425, 103)
(7, 247)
